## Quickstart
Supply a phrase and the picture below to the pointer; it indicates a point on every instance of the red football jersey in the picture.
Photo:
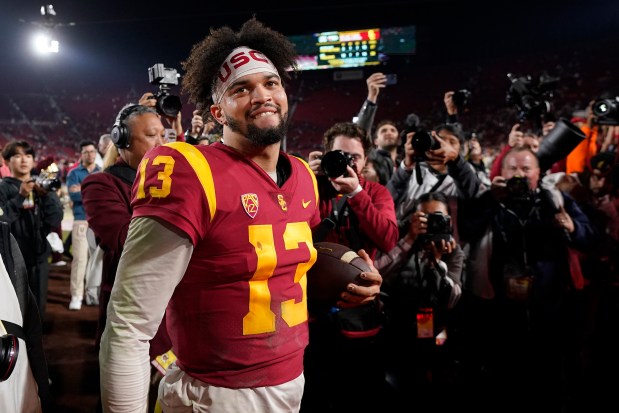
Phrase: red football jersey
(238, 318)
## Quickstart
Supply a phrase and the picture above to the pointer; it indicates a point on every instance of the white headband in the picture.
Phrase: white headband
(241, 62)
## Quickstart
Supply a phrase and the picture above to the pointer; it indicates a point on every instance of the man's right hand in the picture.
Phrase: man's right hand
(148, 99)
(451, 107)
(516, 137)
(409, 152)
(375, 83)
(314, 160)
(498, 188)
(26, 188)
(197, 124)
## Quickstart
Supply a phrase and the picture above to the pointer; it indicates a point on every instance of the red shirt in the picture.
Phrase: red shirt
(238, 318)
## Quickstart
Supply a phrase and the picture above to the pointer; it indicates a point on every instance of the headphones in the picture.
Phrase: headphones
(9, 349)
(120, 131)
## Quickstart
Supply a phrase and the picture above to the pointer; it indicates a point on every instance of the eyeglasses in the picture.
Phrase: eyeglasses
(355, 156)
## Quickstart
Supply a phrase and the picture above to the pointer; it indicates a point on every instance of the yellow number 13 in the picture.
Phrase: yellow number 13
(163, 176)
(260, 318)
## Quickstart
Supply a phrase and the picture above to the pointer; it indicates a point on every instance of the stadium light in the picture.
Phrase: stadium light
(44, 44)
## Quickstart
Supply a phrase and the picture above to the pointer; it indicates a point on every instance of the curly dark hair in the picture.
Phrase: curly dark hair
(348, 129)
(206, 57)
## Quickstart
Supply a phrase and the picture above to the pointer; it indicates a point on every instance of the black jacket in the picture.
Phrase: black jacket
(29, 226)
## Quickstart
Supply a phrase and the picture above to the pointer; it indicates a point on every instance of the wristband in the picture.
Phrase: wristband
(355, 192)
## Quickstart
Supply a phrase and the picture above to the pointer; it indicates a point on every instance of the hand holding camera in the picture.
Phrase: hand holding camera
(516, 188)
(418, 143)
(433, 232)
(338, 166)
(197, 124)
(516, 137)
(441, 151)
(166, 104)
(314, 160)
(451, 107)
(27, 187)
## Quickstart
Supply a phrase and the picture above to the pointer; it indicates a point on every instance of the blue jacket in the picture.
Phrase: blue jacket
(75, 177)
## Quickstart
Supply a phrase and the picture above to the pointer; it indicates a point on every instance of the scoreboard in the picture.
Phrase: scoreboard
(348, 49)
(338, 49)
(352, 48)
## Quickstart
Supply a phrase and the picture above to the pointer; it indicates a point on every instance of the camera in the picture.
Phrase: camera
(518, 187)
(334, 163)
(48, 178)
(167, 104)
(9, 351)
(439, 228)
(461, 98)
(423, 141)
(530, 96)
(607, 111)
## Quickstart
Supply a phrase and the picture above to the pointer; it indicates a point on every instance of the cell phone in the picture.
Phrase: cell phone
(392, 79)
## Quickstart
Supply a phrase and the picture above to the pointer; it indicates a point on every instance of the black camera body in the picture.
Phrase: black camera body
(606, 111)
(531, 97)
(167, 104)
(423, 142)
(334, 163)
(439, 228)
(518, 188)
(461, 98)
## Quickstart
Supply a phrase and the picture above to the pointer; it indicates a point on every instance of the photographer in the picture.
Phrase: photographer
(516, 139)
(362, 211)
(422, 278)
(359, 214)
(32, 210)
(520, 300)
(432, 164)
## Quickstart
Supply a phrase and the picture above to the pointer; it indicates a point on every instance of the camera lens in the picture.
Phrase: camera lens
(169, 105)
(601, 107)
(423, 142)
(607, 111)
(334, 163)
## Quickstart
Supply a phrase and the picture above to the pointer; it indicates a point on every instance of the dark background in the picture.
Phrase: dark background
(113, 43)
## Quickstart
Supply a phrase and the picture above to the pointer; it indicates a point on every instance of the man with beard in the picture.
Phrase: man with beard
(221, 240)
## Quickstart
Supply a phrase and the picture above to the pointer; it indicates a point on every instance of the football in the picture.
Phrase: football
(336, 266)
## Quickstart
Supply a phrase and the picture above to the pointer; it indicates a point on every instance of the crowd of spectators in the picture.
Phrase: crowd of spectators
(55, 121)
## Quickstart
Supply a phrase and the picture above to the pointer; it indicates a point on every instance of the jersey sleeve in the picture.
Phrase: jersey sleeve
(174, 184)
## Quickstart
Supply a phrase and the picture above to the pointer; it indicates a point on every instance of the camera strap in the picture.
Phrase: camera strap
(438, 183)
(13, 329)
(331, 222)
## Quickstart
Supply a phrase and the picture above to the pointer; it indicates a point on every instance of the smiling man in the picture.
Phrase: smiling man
(221, 241)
